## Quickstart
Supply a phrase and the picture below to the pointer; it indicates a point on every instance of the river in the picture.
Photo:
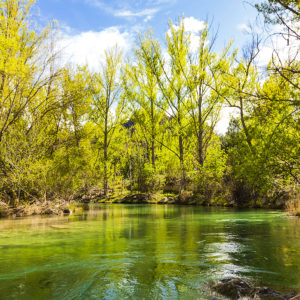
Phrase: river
(146, 252)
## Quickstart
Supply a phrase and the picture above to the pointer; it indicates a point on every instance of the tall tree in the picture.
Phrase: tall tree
(28, 79)
(169, 71)
(142, 88)
(26, 63)
(285, 13)
(206, 86)
(107, 104)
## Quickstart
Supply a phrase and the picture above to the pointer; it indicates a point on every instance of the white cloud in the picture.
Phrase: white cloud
(126, 13)
(148, 18)
(244, 28)
(89, 47)
(193, 26)
(141, 13)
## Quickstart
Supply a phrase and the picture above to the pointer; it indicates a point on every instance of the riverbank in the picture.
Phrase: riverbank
(60, 206)
(57, 207)
(187, 198)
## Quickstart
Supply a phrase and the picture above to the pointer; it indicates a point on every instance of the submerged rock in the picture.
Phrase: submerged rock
(237, 288)
(232, 288)
(67, 211)
(49, 211)
(167, 200)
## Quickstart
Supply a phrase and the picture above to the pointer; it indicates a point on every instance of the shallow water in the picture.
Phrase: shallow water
(146, 252)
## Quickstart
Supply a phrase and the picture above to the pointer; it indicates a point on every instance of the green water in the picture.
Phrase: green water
(146, 252)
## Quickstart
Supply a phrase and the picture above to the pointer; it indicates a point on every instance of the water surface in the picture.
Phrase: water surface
(146, 252)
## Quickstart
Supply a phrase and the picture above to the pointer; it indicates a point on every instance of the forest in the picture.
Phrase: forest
(145, 125)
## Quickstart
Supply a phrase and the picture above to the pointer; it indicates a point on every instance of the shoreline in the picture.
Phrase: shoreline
(63, 207)
(58, 207)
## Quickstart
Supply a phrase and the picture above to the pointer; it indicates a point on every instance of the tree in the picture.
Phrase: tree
(169, 73)
(205, 84)
(27, 80)
(107, 104)
(142, 88)
(285, 13)
(26, 64)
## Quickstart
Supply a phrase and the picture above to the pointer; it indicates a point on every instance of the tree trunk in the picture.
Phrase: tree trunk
(248, 138)
(153, 135)
(153, 153)
(181, 157)
(200, 133)
(105, 146)
(181, 150)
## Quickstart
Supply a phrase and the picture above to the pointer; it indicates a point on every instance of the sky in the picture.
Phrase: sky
(88, 27)
(97, 24)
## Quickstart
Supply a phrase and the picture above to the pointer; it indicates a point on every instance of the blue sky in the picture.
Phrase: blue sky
(79, 16)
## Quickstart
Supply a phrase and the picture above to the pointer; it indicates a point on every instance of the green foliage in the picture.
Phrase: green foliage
(279, 11)
(147, 125)
(209, 178)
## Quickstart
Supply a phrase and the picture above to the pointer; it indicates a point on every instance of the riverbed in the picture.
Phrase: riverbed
(146, 252)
